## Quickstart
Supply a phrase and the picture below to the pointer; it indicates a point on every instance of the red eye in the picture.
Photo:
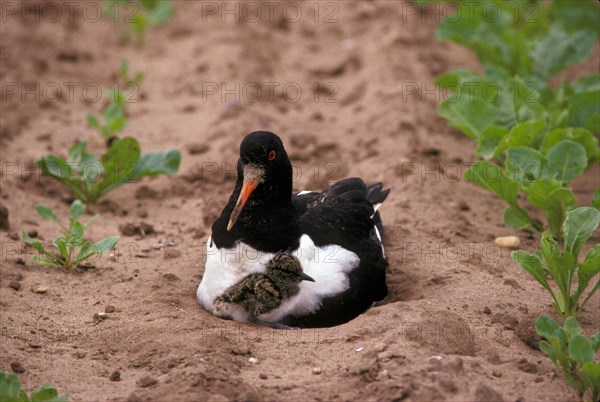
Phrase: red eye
(272, 155)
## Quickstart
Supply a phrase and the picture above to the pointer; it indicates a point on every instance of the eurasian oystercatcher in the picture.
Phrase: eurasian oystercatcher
(337, 236)
(258, 294)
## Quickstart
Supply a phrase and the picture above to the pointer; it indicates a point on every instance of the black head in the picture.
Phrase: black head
(287, 267)
(264, 174)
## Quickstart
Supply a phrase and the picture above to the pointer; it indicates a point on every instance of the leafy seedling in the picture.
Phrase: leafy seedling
(572, 354)
(10, 391)
(563, 265)
(114, 121)
(90, 178)
(70, 249)
(141, 15)
(114, 115)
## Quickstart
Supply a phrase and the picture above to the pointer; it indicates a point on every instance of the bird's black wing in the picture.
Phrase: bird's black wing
(342, 214)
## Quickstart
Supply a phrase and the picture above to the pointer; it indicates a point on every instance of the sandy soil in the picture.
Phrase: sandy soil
(457, 322)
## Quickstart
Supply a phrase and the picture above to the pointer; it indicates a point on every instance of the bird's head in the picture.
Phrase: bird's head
(264, 173)
(287, 267)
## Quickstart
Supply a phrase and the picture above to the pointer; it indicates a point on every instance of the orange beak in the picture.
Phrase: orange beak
(247, 189)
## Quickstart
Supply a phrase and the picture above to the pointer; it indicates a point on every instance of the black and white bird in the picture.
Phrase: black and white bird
(337, 236)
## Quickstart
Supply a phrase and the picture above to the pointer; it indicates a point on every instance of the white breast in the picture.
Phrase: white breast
(328, 266)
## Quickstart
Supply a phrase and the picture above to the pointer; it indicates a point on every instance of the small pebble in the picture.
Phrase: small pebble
(385, 355)
(146, 381)
(497, 374)
(15, 285)
(252, 360)
(80, 355)
(317, 370)
(379, 347)
(32, 233)
(41, 290)
(171, 253)
(115, 376)
(262, 376)
(20, 261)
(508, 242)
(486, 310)
(110, 309)
(100, 316)
(35, 345)
(17, 367)
(359, 350)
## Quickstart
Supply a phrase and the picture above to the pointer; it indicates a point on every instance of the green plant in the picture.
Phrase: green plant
(70, 249)
(534, 139)
(114, 113)
(564, 265)
(141, 15)
(90, 178)
(10, 391)
(572, 353)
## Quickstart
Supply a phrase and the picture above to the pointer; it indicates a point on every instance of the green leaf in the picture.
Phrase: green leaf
(489, 140)
(596, 341)
(86, 251)
(92, 121)
(122, 154)
(561, 267)
(33, 243)
(47, 393)
(580, 349)
(490, 177)
(553, 199)
(519, 219)
(526, 165)
(471, 117)
(571, 327)
(548, 349)
(557, 50)
(9, 386)
(120, 164)
(547, 328)
(569, 159)
(46, 212)
(46, 261)
(161, 13)
(522, 134)
(532, 265)
(579, 225)
(576, 15)
(591, 371)
(596, 199)
(77, 209)
(76, 152)
(589, 268)
(75, 238)
(61, 245)
(56, 167)
(100, 247)
(106, 244)
(583, 137)
(585, 110)
(154, 163)
(587, 83)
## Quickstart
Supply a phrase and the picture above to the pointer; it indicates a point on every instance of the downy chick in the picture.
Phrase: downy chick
(261, 293)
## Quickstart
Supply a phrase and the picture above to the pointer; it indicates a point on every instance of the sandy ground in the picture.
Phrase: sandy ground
(349, 87)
